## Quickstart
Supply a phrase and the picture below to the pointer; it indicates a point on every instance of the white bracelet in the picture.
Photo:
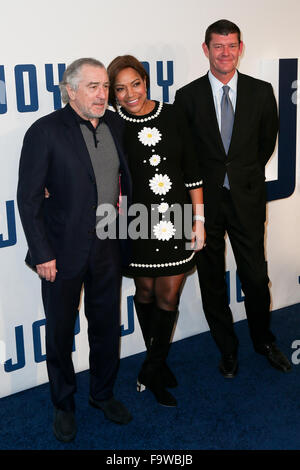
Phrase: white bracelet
(199, 217)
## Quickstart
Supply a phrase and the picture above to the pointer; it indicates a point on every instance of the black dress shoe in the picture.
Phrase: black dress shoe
(228, 366)
(64, 425)
(275, 357)
(113, 410)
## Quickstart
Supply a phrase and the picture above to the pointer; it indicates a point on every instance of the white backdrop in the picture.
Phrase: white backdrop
(168, 35)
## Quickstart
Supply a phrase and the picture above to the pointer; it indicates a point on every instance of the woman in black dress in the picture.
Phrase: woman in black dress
(165, 177)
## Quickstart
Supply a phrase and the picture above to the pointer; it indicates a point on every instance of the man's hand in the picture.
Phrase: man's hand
(47, 270)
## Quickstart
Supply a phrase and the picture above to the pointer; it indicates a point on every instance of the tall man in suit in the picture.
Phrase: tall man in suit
(234, 123)
(76, 153)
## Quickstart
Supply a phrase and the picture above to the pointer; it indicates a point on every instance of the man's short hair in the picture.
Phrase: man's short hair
(71, 75)
(223, 27)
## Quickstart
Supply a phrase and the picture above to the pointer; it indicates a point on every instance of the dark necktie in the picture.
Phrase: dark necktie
(227, 118)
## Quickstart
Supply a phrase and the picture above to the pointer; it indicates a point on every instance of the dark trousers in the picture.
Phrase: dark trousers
(248, 249)
(101, 279)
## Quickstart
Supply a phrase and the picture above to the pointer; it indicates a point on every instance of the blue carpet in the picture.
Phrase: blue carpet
(258, 410)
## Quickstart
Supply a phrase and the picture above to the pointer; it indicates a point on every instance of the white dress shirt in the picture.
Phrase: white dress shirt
(217, 91)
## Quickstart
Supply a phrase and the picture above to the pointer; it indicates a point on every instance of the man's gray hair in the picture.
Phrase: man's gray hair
(71, 75)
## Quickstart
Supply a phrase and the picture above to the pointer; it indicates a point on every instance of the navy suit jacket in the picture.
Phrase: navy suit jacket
(252, 144)
(54, 155)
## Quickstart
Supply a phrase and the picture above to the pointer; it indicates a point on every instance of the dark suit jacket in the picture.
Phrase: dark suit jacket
(252, 143)
(54, 155)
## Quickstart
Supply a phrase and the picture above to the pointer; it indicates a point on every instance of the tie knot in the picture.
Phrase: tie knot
(226, 89)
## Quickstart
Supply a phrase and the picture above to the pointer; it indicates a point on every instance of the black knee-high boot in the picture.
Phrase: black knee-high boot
(151, 372)
(146, 316)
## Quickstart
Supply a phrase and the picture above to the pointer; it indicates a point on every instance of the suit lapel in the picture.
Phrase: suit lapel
(115, 135)
(240, 116)
(243, 102)
(78, 148)
(210, 113)
(77, 143)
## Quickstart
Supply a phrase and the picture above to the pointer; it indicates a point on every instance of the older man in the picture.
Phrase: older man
(76, 153)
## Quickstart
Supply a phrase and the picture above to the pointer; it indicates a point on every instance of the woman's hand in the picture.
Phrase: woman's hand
(198, 236)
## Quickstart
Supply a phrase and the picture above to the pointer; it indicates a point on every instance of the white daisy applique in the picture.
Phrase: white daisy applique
(149, 136)
(163, 207)
(154, 160)
(164, 230)
(160, 184)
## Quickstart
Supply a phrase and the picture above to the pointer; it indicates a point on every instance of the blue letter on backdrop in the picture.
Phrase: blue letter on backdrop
(9, 366)
(50, 83)
(37, 344)
(11, 226)
(147, 68)
(284, 186)
(33, 90)
(130, 328)
(165, 84)
(3, 104)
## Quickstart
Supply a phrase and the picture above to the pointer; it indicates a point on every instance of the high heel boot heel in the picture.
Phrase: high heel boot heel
(152, 382)
(140, 387)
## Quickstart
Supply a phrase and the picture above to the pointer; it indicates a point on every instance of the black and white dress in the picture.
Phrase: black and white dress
(164, 167)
